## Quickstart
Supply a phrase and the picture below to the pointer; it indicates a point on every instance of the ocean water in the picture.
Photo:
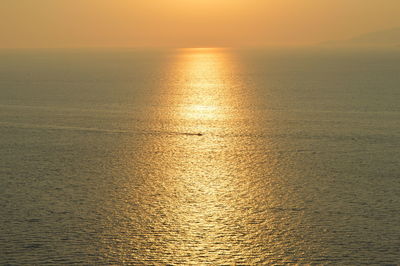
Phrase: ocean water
(200, 156)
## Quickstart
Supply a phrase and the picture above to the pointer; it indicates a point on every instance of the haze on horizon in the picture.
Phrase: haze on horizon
(189, 23)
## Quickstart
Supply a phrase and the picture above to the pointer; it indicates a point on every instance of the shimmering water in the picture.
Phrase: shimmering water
(200, 156)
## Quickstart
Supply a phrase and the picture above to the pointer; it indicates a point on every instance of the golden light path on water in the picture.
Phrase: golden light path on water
(205, 94)
(199, 190)
(207, 211)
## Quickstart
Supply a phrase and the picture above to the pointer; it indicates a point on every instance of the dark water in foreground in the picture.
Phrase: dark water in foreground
(200, 156)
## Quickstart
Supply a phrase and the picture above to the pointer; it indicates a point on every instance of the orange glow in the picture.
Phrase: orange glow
(188, 23)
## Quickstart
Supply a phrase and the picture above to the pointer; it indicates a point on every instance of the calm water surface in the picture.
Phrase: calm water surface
(200, 156)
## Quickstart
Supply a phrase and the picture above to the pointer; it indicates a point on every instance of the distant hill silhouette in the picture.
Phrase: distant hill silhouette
(389, 37)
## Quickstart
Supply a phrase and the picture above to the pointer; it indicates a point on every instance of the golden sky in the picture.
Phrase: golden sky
(189, 23)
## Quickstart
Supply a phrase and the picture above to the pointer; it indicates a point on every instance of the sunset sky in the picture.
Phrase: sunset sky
(189, 23)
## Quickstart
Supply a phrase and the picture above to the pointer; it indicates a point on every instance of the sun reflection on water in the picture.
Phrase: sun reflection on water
(205, 82)
(205, 185)
(192, 186)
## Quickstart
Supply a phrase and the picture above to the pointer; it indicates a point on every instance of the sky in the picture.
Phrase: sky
(189, 23)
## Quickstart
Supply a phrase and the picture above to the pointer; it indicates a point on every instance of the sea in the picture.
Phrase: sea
(200, 156)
